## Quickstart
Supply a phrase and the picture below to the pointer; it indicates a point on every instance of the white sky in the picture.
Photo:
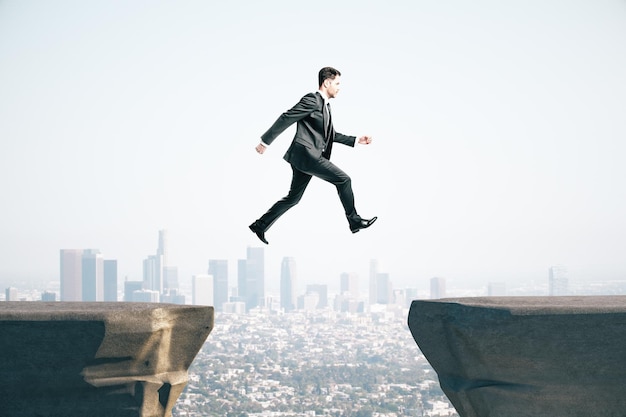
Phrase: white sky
(499, 135)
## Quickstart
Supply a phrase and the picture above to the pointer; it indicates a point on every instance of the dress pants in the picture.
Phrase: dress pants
(325, 170)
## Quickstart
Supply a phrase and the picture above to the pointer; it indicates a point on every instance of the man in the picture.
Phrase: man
(309, 153)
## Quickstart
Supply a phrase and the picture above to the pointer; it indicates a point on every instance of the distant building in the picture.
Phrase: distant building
(288, 284)
(154, 267)
(496, 289)
(162, 248)
(172, 296)
(236, 307)
(48, 296)
(71, 274)
(170, 277)
(558, 280)
(11, 294)
(153, 273)
(146, 296)
(411, 294)
(218, 268)
(202, 290)
(309, 301)
(322, 291)
(349, 285)
(437, 288)
(129, 289)
(92, 275)
(251, 278)
(110, 280)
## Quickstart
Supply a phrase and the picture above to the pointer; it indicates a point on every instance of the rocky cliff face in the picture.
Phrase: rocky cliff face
(97, 359)
(527, 356)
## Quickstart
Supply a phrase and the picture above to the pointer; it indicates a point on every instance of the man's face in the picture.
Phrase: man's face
(332, 86)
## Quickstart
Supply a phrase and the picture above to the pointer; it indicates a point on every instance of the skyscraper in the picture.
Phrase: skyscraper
(558, 280)
(154, 266)
(255, 277)
(92, 275)
(349, 285)
(202, 290)
(437, 288)
(162, 249)
(153, 273)
(288, 284)
(110, 280)
(170, 277)
(71, 261)
(218, 268)
(322, 292)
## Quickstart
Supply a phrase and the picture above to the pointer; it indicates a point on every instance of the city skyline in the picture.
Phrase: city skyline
(497, 137)
(86, 273)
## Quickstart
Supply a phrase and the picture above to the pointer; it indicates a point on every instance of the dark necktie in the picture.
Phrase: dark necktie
(328, 128)
(327, 121)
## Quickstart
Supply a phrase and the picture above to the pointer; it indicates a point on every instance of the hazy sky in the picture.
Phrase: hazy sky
(499, 135)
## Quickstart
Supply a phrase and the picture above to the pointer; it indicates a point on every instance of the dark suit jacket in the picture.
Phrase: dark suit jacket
(309, 143)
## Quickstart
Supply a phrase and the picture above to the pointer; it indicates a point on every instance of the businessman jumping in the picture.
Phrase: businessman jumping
(309, 153)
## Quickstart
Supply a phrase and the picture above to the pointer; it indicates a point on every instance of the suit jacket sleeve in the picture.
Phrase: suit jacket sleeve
(305, 106)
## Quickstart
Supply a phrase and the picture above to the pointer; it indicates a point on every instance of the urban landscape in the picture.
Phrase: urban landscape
(291, 353)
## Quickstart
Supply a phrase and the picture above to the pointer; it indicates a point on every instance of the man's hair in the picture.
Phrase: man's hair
(326, 73)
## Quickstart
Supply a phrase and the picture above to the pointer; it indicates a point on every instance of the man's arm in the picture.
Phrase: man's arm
(302, 109)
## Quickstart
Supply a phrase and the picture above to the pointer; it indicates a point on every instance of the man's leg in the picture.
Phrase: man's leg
(299, 182)
(329, 172)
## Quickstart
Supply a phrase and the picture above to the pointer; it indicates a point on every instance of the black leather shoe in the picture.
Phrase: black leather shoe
(362, 224)
(258, 230)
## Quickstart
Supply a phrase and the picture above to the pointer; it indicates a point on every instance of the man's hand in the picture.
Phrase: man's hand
(365, 140)
(260, 148)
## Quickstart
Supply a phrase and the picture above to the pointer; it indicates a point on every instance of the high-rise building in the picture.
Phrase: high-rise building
(558, 280)
(71, 261)
(153, 273)
(110, 280)
(349, 285)
(373, 290)
(92, 275)
(437, 288)
(129, 289)
(218, 268)
(11, 294)
(309, 301)
(162, 249)
(322, 292)
(202, 290)
(288, 284)
(170, 277)
(255, 277)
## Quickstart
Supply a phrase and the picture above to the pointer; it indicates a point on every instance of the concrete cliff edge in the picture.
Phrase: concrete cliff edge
(97, 359)
(526, 356)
